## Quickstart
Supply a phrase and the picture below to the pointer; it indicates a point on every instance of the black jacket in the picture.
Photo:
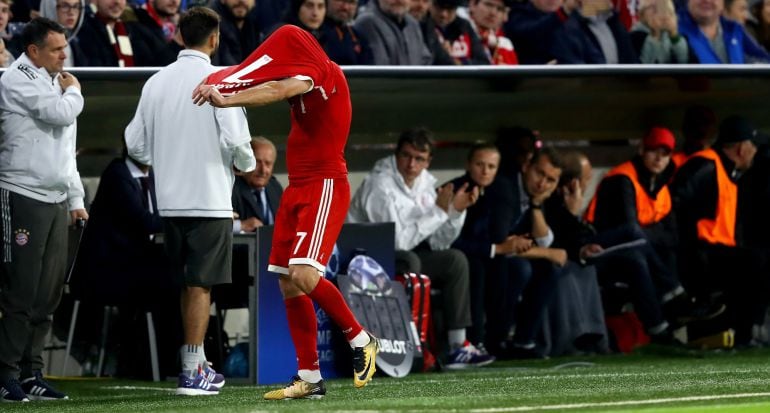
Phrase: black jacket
(575, 43)
(235, 44)
(616, 204)
(97, 50)
(694, 195)
(245, 202)
(487, 221)
(570, 232)
(344, 45)
(116, 255)
(531, 32)
(754, 200)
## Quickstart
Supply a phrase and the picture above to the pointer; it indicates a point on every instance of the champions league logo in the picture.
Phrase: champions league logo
(368, 275)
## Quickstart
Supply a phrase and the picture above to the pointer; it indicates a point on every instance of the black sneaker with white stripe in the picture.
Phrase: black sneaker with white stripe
(10, 391)
(38, 389)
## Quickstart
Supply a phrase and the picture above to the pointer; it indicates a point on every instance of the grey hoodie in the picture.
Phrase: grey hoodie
(48, 10)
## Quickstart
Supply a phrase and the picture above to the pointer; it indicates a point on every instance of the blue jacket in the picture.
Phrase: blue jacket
(737, 42)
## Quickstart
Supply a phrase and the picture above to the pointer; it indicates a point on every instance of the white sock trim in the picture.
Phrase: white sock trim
(191, 358)
(456, 337)
(310, 376)
(361, 339)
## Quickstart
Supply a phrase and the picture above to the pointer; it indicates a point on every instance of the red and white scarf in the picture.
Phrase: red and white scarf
(119, 40)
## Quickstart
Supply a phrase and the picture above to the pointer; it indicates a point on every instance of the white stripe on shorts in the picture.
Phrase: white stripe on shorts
(320, 219)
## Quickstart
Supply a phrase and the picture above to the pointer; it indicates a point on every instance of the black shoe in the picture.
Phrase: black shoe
(516, 352)
(682, 310)
(38, 389)
(10, 391)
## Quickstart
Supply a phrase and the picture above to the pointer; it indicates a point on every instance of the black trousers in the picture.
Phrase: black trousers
(740, 275)
(32, 275)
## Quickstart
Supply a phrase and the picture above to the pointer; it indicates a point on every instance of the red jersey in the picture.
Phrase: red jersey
(498, 47)
(320, 118)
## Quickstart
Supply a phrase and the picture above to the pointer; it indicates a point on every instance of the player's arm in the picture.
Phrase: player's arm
(260, 95)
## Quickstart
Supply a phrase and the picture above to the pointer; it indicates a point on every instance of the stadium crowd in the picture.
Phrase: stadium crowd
(121, 33)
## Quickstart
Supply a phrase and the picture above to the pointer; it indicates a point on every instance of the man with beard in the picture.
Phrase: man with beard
(160, 17)
(344, 44)
(239, 31)
(170, 134)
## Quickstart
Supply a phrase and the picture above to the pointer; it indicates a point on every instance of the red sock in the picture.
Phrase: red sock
(303, 328)
(329, 298)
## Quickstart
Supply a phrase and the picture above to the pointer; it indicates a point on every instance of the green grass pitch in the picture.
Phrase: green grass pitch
(670, 381)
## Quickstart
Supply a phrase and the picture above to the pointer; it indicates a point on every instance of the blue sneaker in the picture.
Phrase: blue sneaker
(216, 380)
(198, 386)
(468, 356)
(38, 389)
(10, 391)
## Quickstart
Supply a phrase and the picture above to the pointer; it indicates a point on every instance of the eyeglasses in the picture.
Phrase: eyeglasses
(69, 7)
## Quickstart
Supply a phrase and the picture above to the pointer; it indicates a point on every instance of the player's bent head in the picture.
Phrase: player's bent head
(197, 25)
(36, 32)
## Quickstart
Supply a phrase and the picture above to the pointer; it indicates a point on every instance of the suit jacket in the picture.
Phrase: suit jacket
(245, 203)
(116, 257)
(487, 222)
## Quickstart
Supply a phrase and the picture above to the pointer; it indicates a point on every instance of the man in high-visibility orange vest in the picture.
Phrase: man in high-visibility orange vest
(634, 197)
(715, 262)
(699, 127)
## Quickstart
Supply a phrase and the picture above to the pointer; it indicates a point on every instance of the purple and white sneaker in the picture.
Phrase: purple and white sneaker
(198, 386)
(216, 380)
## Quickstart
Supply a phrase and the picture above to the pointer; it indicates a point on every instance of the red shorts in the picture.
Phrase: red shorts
(308, 222)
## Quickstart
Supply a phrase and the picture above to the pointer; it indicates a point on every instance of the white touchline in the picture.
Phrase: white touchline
(621, 403)
(138, 388)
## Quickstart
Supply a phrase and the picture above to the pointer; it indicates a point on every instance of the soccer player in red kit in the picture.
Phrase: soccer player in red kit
(291, 65)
